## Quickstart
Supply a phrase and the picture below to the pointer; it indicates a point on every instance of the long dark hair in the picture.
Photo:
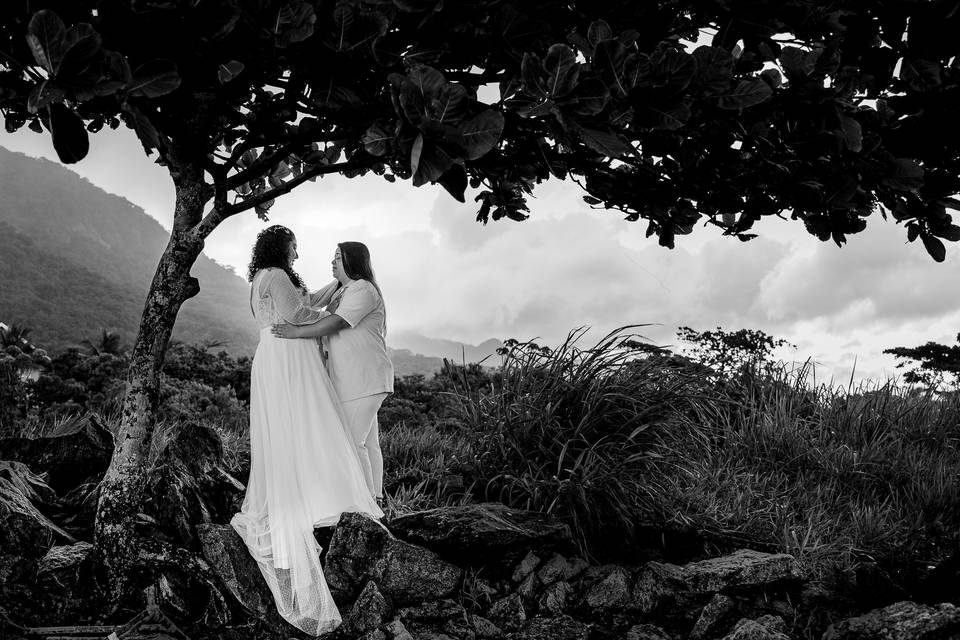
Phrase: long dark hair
(270, 250)
(355, 258)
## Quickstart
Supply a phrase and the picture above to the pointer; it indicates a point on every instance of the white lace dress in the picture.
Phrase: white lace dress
(304, 470)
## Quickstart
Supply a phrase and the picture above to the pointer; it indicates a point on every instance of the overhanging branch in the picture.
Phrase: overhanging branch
(266, 163)
(215, 217)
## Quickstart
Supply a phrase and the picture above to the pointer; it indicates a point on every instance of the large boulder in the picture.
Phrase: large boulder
(612, 591)
(656, 587)
(229, 558)
(714, 616)
(484, 534)
(741, 570)
(361, 550)
(189, 483)
(65, 581)
(559, 628)
(369, 612)
(78, 452)
(766, 628)
(900, 621)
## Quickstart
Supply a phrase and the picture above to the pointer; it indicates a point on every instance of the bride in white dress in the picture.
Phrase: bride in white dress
(304, 469)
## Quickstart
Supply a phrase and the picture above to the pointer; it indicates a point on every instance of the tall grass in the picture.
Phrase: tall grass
(576, 431)
(614, 435)
(835, 476)
(424, 467)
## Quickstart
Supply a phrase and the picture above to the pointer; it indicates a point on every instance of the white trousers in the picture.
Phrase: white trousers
(361, 415)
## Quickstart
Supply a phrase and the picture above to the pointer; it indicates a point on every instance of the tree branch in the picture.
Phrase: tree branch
(263, 165)
(319, 170)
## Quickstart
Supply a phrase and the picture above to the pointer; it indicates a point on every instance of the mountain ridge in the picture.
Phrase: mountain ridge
(75, 259)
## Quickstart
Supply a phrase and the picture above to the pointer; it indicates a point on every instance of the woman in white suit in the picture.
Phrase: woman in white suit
(354, 340)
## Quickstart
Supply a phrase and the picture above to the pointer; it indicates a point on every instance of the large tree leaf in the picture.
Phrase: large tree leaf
(295, 22)
(229, 70)
(598, 31)
(671, 117)
(852, 133)
(905, 175)
(449, 105)
(47, 93)
(672, 69)
(609, 58)
(530, 68)
(420, 85)
(70, 137)
(798, 63)
(45, 35)
(714, 69)
(481, 134)
(148, 135)
(562, 70)
(428, 161)
(377, 140)
(606, 143)
(920, 74)
(934, 247)
(746, 94)
(154, 79)
(636, 69)
(454, 180)
(343, 14)
(80, 44)
(588, 98)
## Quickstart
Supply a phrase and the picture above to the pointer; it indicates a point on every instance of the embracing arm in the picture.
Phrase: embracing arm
(321, 297)
(287, 299)
(323, 327)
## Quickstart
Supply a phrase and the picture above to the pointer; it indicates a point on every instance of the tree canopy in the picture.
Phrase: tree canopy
(825, 112)
(933, 363)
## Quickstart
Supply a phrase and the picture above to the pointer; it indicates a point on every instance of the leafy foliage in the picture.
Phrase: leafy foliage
(827, 112)
(933, 363)
(198, 383)
(744, 351)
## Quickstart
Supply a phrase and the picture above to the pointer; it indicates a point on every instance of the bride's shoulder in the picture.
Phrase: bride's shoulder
(266, 271)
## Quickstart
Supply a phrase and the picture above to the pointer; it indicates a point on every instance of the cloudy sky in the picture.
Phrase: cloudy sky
(446, 276)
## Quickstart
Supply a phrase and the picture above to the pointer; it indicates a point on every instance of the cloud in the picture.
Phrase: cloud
(876, 272)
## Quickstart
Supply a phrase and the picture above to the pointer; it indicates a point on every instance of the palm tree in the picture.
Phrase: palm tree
(15, 336)
(109, 342)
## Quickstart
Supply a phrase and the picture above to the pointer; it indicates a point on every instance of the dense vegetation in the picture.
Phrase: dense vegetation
(619, 439)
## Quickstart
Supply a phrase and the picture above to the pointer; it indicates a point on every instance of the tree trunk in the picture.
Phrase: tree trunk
(123, 487)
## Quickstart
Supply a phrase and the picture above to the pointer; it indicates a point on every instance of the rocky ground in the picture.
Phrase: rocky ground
(475, 572)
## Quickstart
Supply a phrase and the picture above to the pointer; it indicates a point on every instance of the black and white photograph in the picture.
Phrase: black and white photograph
(480, 320)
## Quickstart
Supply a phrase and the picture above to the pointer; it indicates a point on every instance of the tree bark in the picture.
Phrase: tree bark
(123, 487)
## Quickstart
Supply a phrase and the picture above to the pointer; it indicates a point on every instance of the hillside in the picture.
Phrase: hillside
(75, 259)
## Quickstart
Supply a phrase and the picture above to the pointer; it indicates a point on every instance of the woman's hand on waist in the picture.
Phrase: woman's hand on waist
(285, 330)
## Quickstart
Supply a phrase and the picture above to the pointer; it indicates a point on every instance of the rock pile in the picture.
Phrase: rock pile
(392, 589)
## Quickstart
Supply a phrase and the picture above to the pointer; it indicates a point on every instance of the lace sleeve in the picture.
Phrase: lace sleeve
(288, 301)
(321, 297)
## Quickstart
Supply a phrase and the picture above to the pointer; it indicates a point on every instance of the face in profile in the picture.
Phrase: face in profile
(292, 252)
(337, 264)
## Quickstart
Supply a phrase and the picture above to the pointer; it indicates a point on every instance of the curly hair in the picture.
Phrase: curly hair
(270, 250)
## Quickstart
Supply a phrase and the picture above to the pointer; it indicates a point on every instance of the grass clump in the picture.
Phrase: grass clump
(834, 476)
(576, 432)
